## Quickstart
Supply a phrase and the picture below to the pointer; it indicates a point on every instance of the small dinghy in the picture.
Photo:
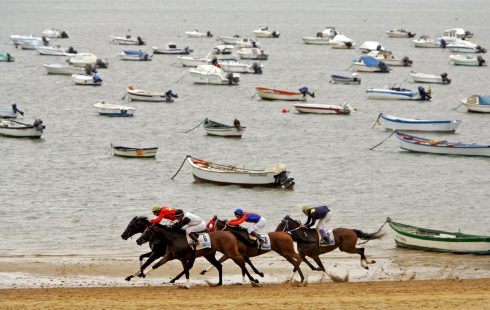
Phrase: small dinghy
(196, 34)
(213, 128)
(83, 59)
(6, 57)
(237, 67)
(80, 79)
(230, 40)
(276, 94)
(134, 152)
(318, 108)
(11, 128)
(419, 77)
(128, 40)
(172, 49)
(389, 122)
(210, 74)
(55, 51)
(468, 60)
(400, 33)
(10, 112)
(368, 46)
(152, 96)
(370, 64)
(395, 92)
(55, 33)
(340, 79)
(342, 42)
(477, 103)
(424, 41)
(134, 55)
(462, 46)
(63, 69)
(388, 58)
(114, 110)
(254, 53)
(322, 38)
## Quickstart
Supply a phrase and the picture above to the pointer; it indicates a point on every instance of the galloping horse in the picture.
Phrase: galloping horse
(281, 243)
(308, 241)
(178, 248)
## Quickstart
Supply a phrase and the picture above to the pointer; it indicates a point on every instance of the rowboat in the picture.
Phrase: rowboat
(368, 46)
(11, 128)
(171, 49)
(468, 60)
(128, 40)
(462, 46)
(63, 69)
(441, 147)
(134, 152)
(419, 77)
(197, 34)
(388, 58)
(254, 53)
(396, 92)
(425, 41)
(204, 171)
(209, 74)
(477, 103)
(153, 96)
(237, 67)
(413, 237)
(10, 112)
(134, 55)
(266, 32)
(87, 80)
(53, 51)
(115, 110)
(318, 108)
(55, 33)
(276, 94)
(389, 122)
(340, 79)
(370, 64)
(400, 33)
(213, 128)
(6, 57)
(230, 40)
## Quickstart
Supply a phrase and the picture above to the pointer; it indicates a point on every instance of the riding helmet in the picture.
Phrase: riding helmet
(179, 212)
(155, 208)
(305, 208)
(238, 211)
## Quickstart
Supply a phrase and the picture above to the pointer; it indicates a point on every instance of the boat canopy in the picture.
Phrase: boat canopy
(484, 100)
(134, 52)
(369, 61)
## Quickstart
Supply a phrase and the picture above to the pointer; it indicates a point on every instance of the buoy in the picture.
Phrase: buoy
(284, 110)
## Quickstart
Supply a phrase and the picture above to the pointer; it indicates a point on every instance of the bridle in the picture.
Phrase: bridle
(286, 226)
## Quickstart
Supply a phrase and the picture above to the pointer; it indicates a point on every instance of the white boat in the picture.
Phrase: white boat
(128, 40)
(134, 152)
(197, 34)
(266, 32)
(276, 94)
(400, 33)
(134, 55)
(318, 108)
(477, 103)
(230, 40)
(462, 46)
(172, 49)
(398, 93)
(246, 42)
(370, 64)
(63, 69)
(342, 42)
(17, 37)
(213, 128)
(389, 122)
(457, 33)
(424, 41)
(252, 53)
(81, 79)
(209, 74)
(368, 46)
(341, 79)
(6, 57)
(388, 58)
(322, 38)
(11, 128)
(82, 59)
(191, 61)
(115, 110)
(55, 33)
(419, 77)
(152, 96)
(237, 67)
(204, 171)
(31, 44)
(468, 60)
(53, 51)
(10, 112)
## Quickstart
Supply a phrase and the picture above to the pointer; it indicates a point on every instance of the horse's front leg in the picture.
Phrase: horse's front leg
(249, 262)
(307, 262)
(212, 259)
(141, 272)
(221, 260)
(142, 256)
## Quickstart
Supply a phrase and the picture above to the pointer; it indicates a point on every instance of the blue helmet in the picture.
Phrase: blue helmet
(239, 211)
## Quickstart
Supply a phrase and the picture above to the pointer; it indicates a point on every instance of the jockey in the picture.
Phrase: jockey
(257, 220)
(191, 223)
(322, 215)
(161, 213)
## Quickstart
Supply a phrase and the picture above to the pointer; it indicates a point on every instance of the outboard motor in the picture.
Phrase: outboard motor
(140, 41)
(9, 57)
(16, 110)
(304, 90)
(209, 34)
(64, 35)
(275, 34)
(229, 76)
(424, 96)
(406, 61)
(99, 63)
(283, 179)
(71, 50)
(256, 67)
(38, 124)
(378, 48)
(96, 78)
(88, 69)
(411, 35)
(481, 61)
(443, 43)
(169, 95)
(45, 41)
(383, 67)
(348, 44)
(236, 123)
(445, 79)
(480, 49)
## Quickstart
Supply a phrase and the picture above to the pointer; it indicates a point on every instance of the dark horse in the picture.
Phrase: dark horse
(308, 242)
(179, 248)
(281, 242)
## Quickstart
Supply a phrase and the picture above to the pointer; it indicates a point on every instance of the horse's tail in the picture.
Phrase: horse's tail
(366, 236)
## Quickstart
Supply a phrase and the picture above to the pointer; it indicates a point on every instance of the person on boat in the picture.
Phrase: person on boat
(443, 43)
(161, 213)
(191, 223)
(237, 124)
(169, 95)
(319, 215)
(249, 217)
(96, 78)
(304, 90)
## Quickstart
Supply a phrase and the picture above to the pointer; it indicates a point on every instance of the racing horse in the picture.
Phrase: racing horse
(178, 248)
(308, 241)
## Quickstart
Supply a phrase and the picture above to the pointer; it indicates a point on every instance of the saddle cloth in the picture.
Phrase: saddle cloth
(203, 241)
(267, 241)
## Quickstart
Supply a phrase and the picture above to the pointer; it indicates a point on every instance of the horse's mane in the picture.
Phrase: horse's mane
(142, 217)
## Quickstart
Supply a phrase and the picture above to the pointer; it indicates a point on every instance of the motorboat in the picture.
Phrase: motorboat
(396, 92)
(424, 41)
(266, 32)
(196, 34)
(246, 42)
(254, 53)
(82, 79)
(222, 52)
(55, 51)
(153, 96)
(115, 110)
(15, 38)
(388, 58)
(134, 152)
(370, 64)
(31, 44)
(134, 55)
(368, 46)
(63, 69)
(191, 61)
(13, 128)
(322, 38)
(390, 122)
(237, 67)
(462, 46)
(468, 60)
(55, 33)
(318, 108)
(457, 33)
(276, 94)
(342, 42)
(419, 77)
(82, 59)
(210, 74)
(128, 40)
(341, 79)
(213, 128)
(230, 40)
(172, 49)
(400, 33)
(6, 57)
(477, 103)
(10, 112)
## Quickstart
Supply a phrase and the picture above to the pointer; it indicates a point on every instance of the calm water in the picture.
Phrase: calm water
(65, 193)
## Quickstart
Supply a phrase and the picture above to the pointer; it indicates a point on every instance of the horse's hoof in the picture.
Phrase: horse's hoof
(128, 278)
(261, 274)
(172, 281)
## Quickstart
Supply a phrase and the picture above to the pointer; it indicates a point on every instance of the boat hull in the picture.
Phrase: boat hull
(113, 110)
(274, 94)
(84, 80)
(428, 78)
(392, 95)
(316, 40)
(63, 69)
(134, 152)
(321, 109)
(389, 122)
(473, 105)
(19, 130)
(225, 132)
(141, 95)
(466, 61)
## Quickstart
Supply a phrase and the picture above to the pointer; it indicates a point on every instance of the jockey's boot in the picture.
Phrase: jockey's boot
(327, 240)
(256, 235)
(193, 236)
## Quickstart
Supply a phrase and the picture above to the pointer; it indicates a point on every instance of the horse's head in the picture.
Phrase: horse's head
(287, 224)
(211, 225)
(146, 236)
(135, 226)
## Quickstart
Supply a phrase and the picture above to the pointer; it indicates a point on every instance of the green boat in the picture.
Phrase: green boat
(6, 57)
(412, 237)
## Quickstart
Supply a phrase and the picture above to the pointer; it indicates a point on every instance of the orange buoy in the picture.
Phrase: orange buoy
(284, 110)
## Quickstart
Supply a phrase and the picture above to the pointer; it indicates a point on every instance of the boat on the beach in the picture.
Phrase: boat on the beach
(115, 110)
(440, 147)
(134, 152)
(477, 103)
(137, 55)
(213, 128)
(341, 79)
(390, 122)
(419, 77)
(87, 80)
(468, 60)
(16, 129)
(319, 108)
(205, 171)
(418, 238)
(128, 40)
(276, 94)
(152, 96)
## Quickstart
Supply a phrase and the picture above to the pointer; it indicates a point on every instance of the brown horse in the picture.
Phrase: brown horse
(179, 248)
(308, 242)
(281, 243)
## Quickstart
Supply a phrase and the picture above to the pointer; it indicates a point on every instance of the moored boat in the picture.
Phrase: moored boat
(82, 59)
(210, 74)
(10, 112)
(253, 53)
(205, 171)
(370, 64)
(196, 34)
(398, 93)
(6, 57)
(54, 51)
(153, 96)
(318, 108)
(237, 67)
(128, 40)
(31, 44)
(276, 94)
(115, 110)
(418, 238)
(368, 46)
(389, 122)
(388, 58)
(55, 33)
(134, 55)
(468, 60)
(172, 49)
(419, 77)
(322, 38)
(477, 103)
(213, 128)
(63, 69)
(11, 128)
(424, 41)
(342, 42)
(440, 147)
(266, 32)
(82, 79)
(230, 40)
(341, 79)
(400, 33)
(134, 152)
(462, 46)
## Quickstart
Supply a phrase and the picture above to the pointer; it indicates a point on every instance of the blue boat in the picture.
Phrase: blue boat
(114, 110)
(134, 55)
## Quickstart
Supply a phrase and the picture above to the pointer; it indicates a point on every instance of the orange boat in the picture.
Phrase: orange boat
(275, 94)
